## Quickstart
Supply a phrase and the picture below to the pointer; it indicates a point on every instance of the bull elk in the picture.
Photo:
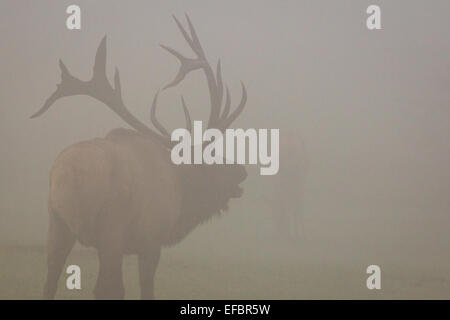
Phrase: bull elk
(121, 194)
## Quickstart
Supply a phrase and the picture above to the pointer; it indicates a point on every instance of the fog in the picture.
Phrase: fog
(370, 112)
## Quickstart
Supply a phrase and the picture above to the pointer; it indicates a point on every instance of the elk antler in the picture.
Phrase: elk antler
(215, 83)
(99, 88)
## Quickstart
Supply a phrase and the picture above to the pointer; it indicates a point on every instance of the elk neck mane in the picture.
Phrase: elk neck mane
(201, 200)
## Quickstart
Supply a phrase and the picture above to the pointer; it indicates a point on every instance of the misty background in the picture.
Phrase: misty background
(371, 108)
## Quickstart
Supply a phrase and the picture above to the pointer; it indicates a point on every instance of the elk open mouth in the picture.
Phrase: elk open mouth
(237, 192)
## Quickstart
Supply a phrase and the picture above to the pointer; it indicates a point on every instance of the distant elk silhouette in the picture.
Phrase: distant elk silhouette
(122, 194)
(284, 192)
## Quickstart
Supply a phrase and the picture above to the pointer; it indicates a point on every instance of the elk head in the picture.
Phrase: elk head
(210, 186)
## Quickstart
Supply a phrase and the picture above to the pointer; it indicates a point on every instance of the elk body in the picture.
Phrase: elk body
(121, 194)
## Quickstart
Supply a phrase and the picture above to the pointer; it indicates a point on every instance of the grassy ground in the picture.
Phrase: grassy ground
(193, 276)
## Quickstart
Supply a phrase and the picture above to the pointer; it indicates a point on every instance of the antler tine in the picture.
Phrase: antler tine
(184, 33)
(215, 85)
(69, 86)
(155, 121)
(117, 85)
(226, 122)
(226, 109)
(186, 65)
(196, 42)
(159, 126)
(99, 88)
(219, 83)
(99, 71)
(187, 116)
(48, 103)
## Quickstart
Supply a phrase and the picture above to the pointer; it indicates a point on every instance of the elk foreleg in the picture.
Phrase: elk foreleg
(110, 255)
(148, 261)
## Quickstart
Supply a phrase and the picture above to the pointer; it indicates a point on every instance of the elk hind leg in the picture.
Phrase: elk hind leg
(59, 244)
